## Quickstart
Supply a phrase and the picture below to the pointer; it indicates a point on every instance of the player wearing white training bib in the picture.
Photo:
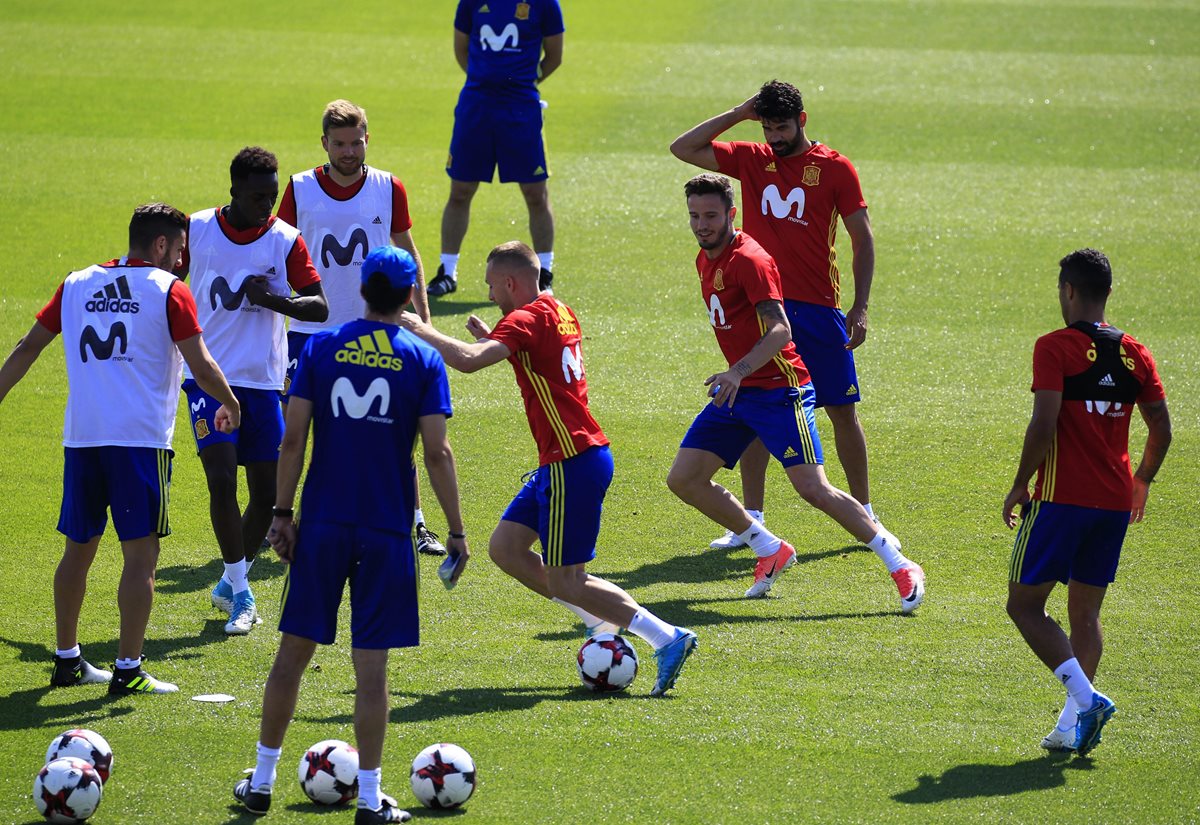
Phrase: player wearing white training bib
(245, 264)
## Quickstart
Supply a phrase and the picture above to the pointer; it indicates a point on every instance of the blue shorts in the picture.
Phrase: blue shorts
(295, 344)
(819, 334)
(1058, 542)
(382, 570)
(488, 134)
(783, 418)
(135, 482)
(262, 422)
(562, 502)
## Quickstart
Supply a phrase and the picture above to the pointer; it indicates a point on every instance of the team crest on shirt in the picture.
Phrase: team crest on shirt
(812, 176)
(201, 430)
(718, 280)
(522, 11)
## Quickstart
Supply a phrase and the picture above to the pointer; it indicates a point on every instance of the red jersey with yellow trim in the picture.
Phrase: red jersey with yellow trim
(1088, 463)
(732, 285)
(544, 339)
(791, 206)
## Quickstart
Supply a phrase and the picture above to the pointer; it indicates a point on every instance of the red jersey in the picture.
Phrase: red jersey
(1088, 463)
(791, 206)
(732, 285)
(543, 337)
(401, 220)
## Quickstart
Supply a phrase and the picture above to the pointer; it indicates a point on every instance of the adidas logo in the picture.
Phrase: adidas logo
(377, 220)
(539, 171)
(114, 297)
(271, 270)
(374, 350)
(851, 390)
(790, 453)
(1107, 381)
(484, 9)
(771, 166)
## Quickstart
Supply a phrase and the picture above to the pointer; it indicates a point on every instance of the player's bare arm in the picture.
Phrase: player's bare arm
(1158, 440)
(552, 53)
(862, 241)
(695, 145)
(443, 477)
(308, 304)
(282, 534)
(462, 44)
(478, 328)
(208, 375)
(1039, 436)
(22, 357)
(464, 356)
(420, 298)
(776, 335)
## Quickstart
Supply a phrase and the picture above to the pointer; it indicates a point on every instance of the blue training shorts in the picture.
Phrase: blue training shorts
(782, 418)
(488, 134)
(134, 482)
(382, 570)
(819, 334)
(295, 345)
(562, 503)
(1059, 542)
(262, 422)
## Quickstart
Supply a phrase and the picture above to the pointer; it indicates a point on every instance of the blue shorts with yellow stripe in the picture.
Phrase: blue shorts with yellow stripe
(782, 418)
(1060, 542)
(562, 503)
(134, 482)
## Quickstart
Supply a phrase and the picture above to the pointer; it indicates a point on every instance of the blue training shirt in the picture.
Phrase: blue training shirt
(506, 43)
(369, 383)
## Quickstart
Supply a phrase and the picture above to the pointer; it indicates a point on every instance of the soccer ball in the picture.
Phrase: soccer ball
(329, 772)
(84, 744)
(67, 790)
(607, 663)
(443, 776)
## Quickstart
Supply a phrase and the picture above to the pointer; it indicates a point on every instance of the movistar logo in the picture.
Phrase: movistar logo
(374, 350)
(1103, 408)
(220, 291)
(343, 254)
(716, 312)
(572, 363)
(345, 399)
(781, 207)
(508, 37)
(114, 297)
(102, 348)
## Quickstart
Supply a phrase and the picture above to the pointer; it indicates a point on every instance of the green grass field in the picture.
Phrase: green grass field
(991, 136)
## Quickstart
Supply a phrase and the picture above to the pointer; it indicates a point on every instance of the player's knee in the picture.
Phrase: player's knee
(222, 482)
(536, 197)
(682, 484)
(814, 491)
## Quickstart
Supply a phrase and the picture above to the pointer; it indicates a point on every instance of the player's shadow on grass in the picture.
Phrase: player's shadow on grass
(971, 781)
(709, 566)
(190, 578)
(439, 307)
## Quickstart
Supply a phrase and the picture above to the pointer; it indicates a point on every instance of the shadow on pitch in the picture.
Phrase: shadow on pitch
(973, 781)
(710, 566)
(441, 307)
(191, 578)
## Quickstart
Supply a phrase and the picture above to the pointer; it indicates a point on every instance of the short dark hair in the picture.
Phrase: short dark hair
(778, 101)
(253, 160)
(710, 184)
(516, 255)
(381, 296)
(154, 220)
(1089, 271)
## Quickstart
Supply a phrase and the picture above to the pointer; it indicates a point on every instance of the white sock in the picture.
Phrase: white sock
(235, 574)
(657, 633)
(450, 267)
(590, 621)
(870, 512)
(761, 540)
(887, 551)
(264, 768)
(71, 653)
(368, 788)
(1071, 674)
(418, 516)
(1069, 715)
(129, 664)
(546, 259)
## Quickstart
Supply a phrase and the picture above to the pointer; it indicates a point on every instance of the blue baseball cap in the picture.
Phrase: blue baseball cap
(392, 261)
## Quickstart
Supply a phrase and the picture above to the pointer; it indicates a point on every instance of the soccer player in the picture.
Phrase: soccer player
(124, 324)
(560, 503)
(357, 505)
(346, 208)
(506, 48)
(766, 394)
(1086, 380)
(244, 264)
(793, 190)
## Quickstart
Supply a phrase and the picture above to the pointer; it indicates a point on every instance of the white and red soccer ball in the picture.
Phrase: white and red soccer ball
(67, 790)
(443, 776)
(84, 744)
(328, 772)
(607, 663)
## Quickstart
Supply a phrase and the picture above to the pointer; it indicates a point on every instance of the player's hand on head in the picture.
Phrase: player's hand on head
(1016, 497)
(746, 109)
(477, 327)
(256, 289)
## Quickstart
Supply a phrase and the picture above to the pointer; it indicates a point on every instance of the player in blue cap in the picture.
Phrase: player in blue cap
(366, 389)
